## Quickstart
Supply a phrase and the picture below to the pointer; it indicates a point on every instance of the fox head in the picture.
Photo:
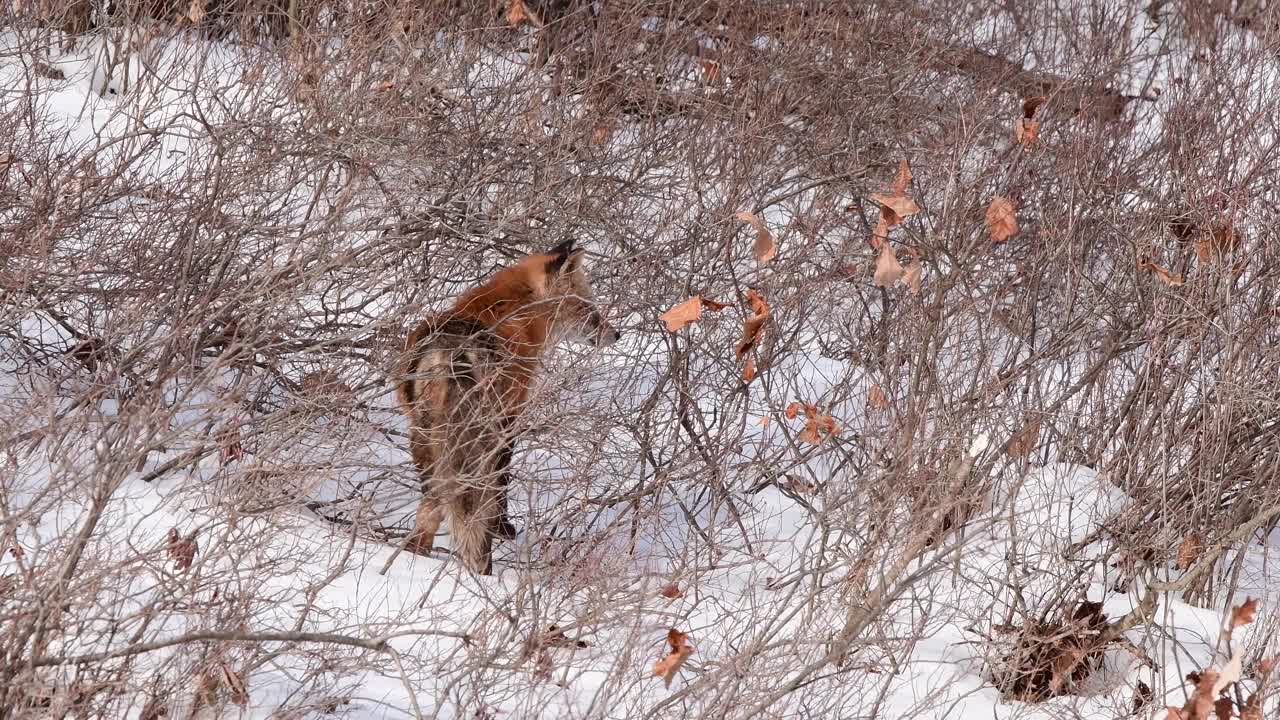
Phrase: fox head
(561, 279)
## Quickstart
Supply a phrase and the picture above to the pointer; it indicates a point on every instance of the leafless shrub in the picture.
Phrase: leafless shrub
(209, 294)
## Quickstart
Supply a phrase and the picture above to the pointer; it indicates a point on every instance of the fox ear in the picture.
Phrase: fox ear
(564, 248)
(564, 258)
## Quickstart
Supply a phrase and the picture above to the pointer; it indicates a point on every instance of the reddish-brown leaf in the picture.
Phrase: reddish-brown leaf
(1002, 219)
(749, 370)
(680, 650)
(1223, 708)
(1244, 614)
(1024, 441)
(888, 269)
(1189, 551)
(229, 446)
(182, 550)
(765, 248)
(876, 398)
(754, 324)
(671, 592)
(680, 315)
(911, 276)
(1164, 275)
(793, 409)
(902, 179)
(817, 425)
(234, 684)
(712, 305)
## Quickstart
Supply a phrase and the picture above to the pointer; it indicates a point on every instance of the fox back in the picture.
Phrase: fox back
(466, 379)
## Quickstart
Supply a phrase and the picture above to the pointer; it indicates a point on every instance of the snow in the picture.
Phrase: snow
(324, 578)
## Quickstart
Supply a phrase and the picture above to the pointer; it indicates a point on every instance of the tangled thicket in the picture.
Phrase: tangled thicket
(1050, 222)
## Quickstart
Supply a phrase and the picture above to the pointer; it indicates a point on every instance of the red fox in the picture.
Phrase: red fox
(465, 380)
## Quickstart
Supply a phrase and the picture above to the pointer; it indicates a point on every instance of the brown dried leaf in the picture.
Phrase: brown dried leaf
(671, 592)
(712, 305)
(753, 326)
(793, 409)
(1230, 673)
(900, 207)
(667, 667)
(749, 370)
(1200, 704)
(1024, 441)
(234, 684)
(903, 178)
(1031, 105)
(680, 315)
(1220, 241)
(154, 710)
(182, 550)
(1165, 276)
(817, 426)
(911, 276)
(888, 269)
(1189, 551)
(1252, 709)
(877, 399)
(1244, 614)
(1223, 708)
(765, 248)
(229, 446)
(1002, 219)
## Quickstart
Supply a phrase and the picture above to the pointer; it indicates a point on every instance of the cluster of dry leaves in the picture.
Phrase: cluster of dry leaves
(689, 311)
(817, 425)
(1210, 699)
(680, 650)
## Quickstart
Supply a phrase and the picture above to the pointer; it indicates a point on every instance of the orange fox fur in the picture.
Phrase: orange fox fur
(465, 381)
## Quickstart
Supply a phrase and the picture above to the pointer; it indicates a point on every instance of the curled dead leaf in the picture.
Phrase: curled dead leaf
(895, 204)
(671, 592)
(1189, 551)
(234, 684)
(680, 650)
(765, 248)
(1244, 613)
(753, 325)
(182, 550)
(1164, 275)
(749, 370)
(888, 269)
(911, 276)
(876, 398)
(1024, 441)
(903, 178)
(818, 426)
(900, 207)
(682, 314)
(1002, 220)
